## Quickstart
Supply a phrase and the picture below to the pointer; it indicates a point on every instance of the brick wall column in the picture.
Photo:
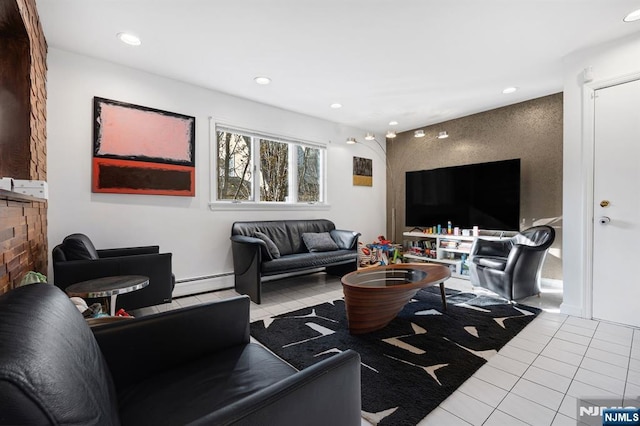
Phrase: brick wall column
(23, 224)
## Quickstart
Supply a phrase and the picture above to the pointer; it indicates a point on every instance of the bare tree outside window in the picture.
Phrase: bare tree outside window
(259, 169)
(234, 166)
(274, 170)
(308, 174)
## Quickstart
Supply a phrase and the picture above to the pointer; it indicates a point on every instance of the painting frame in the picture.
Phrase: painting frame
(362, 171)
(142, 150)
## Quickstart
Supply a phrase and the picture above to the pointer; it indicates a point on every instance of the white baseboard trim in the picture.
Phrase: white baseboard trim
(551, 283)
(573, 310)
(222, 281)
(189, 286)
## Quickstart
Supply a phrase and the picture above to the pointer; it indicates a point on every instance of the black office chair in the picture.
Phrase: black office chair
(76, 259)
(511, 267)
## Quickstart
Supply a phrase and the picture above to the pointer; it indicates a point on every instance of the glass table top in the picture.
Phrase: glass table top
(387, 277)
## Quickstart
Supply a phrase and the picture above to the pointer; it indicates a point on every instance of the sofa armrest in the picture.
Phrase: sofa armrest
(73, 271)
(144, 346)
(128, 251)
(346, 240)
(246, 240)
(326, 393)
(249, 244)
(155, 266)
(246, 251)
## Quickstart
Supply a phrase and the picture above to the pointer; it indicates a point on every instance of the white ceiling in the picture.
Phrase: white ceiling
(419, 62)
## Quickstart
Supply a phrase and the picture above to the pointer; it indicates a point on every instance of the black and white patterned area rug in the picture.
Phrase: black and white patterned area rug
(417, 361)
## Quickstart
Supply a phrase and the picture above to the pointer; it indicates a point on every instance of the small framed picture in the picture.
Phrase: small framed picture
(362, 171)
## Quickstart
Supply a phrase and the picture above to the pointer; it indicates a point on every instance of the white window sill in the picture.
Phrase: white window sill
(217, 206)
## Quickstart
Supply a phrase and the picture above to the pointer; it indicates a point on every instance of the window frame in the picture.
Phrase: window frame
(255, 203)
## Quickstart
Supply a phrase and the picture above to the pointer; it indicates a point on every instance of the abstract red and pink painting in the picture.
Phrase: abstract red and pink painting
(142, 150)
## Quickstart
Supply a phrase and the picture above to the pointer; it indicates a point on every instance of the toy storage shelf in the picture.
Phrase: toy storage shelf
(452, 250)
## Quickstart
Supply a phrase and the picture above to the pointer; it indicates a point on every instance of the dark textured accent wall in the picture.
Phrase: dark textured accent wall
(531, 131)
(23, 147)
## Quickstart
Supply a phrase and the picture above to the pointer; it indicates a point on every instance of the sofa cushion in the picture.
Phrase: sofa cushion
(299, 227)
(301, 261)
(319, 241)
(345, 239)
(187, 393)
(272, 251)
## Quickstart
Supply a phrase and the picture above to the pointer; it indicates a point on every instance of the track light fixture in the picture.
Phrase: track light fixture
(421, 134)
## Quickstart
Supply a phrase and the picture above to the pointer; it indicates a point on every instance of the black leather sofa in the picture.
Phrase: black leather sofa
(192, 366)
(253, 254)
(76, 259)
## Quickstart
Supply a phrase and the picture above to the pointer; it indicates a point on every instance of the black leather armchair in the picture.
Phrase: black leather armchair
(192, 366)
(76, 259)
(511, 267)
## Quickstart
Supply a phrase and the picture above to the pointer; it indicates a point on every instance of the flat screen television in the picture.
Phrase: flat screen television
(486, 195)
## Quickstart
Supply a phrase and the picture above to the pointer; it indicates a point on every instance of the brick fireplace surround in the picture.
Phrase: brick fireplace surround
(23, 140)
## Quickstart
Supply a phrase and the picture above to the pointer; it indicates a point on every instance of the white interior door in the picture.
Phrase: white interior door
(616, 230)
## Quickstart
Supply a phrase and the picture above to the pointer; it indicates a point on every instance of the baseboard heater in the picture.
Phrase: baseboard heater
(203, 284)
(223, 281)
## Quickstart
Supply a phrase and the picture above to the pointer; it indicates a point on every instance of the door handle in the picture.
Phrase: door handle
(604, 220)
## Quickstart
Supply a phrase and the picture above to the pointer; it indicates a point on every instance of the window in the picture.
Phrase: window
(254, 168)
(234, 171)
(308, 173)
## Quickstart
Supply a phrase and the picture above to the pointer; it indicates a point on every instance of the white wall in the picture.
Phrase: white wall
(608, 61)
(185, 226)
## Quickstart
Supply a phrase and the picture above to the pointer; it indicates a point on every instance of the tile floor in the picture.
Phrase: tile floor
(535, 379)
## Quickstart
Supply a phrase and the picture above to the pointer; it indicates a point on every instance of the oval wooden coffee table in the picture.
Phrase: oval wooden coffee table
(374, 296)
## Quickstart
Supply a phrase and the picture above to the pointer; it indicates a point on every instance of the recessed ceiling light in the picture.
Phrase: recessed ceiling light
(336, 105)
(263, 81)
(370, 137)
(391, 134)
(393, 123)
(418, 133)
(128, 38)
(633, 16)
(443, 135)
(351, 141)
(508, 90)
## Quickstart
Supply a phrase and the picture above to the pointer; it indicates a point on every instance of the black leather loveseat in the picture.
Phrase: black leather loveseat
(268, 248)
(191, 366)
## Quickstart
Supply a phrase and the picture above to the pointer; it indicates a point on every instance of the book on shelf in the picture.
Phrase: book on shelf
(464, 246)
(449, 244)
